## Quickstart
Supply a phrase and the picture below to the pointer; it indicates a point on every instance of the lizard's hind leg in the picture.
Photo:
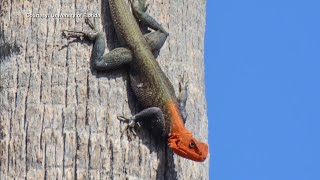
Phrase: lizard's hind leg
(101, 61)
(114, 59)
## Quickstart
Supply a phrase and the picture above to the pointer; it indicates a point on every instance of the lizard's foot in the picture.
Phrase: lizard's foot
(132, 124)
(182, 97)
(76, 34)
(183, 84)
(81, 35)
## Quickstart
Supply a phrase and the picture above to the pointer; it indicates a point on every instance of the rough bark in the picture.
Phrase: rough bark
(58, 115)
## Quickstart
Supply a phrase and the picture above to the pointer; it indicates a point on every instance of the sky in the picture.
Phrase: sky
(262, 70)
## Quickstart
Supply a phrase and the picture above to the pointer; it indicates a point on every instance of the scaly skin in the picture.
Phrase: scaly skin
(151, 87)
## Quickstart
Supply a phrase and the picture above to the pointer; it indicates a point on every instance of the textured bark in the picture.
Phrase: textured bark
(58, 115)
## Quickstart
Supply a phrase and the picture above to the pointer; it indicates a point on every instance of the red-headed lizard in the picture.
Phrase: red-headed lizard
(163, 111)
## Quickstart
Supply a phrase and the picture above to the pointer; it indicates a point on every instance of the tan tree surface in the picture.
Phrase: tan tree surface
(58, 115)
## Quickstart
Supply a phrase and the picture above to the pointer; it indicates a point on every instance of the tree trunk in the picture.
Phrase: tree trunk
(59, 116)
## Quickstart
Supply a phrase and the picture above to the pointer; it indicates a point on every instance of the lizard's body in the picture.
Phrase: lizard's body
(150, 85)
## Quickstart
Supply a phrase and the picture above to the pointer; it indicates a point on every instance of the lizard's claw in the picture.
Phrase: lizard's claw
(89, 23)
(69, 33)
(146, 7)
(132, 124)
(183, 82)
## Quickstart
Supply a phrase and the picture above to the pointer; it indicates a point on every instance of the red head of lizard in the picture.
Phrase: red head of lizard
(181, 140)
(188, 147)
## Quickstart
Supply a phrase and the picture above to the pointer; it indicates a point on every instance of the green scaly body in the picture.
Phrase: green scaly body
(150, 85)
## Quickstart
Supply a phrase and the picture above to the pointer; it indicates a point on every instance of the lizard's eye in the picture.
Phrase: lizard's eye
(192, 144)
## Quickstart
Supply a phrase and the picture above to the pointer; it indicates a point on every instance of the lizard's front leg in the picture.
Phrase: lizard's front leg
(151, 118)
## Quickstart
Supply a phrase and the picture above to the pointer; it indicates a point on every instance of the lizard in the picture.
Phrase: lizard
(163, 111)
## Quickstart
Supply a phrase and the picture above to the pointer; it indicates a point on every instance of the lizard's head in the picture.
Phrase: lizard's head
(187, 146)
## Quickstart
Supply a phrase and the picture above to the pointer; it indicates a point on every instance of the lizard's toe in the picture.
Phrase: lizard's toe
(132, 124)
(131, 121)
